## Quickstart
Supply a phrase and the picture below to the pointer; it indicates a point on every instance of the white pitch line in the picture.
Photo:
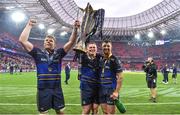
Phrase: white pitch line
(170, 103)
(20, 95)
(76, 104)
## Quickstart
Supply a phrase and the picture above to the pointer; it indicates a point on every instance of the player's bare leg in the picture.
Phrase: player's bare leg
(95, 109)
(86, 109)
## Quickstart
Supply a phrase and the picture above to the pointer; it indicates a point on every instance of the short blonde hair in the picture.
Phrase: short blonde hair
(51, 36)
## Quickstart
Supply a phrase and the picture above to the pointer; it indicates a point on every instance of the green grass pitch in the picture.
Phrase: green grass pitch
(18, 94)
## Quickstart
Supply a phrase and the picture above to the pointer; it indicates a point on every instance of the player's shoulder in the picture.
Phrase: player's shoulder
(60, 50)
(35, 50)
(98, 55)
(154, 65)
(113, 58)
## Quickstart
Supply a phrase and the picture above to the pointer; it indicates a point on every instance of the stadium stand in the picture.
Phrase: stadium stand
(132, 56)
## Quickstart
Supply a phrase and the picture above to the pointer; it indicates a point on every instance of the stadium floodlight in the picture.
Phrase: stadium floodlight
(41, 26)
(50, 31)
(151, 34)
(18, 16)
(63, 33)
(163, 32)
(10, 7)
(63, 27)
(137, 36)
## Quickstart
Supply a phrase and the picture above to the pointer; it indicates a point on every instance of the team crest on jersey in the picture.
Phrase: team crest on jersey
(49, 69)
(43, 59)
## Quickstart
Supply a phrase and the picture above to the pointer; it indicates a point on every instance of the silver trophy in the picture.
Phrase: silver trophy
(92, 23)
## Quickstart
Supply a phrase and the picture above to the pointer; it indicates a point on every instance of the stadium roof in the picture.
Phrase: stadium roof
(119, 8)
(58, 13)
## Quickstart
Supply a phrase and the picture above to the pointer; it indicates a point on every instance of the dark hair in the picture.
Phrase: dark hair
(106, 41)
(92, 42)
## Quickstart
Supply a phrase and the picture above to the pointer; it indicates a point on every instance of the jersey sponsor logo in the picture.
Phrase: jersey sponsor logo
(91, 66)
(43, 59)
(56, 60)
(107, 67)
(110, 102)
(39, 53)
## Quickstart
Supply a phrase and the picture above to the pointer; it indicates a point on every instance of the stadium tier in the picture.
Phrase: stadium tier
(132, 57)
(131, 63)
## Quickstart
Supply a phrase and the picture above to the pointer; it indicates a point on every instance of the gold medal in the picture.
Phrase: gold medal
(102, 74)
(103, 68)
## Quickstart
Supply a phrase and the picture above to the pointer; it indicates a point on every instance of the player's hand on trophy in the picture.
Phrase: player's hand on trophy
(32, 22)
(76, 24)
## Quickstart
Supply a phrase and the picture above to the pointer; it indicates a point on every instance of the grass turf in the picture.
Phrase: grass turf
(18, 94)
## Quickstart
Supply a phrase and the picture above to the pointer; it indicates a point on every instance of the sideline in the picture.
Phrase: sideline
(71, 104)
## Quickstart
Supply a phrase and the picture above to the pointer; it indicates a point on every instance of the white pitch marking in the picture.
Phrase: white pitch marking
(20, 95)
(77, 104)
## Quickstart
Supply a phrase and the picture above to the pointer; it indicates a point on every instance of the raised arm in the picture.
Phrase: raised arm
(23, 39)
(72, 38)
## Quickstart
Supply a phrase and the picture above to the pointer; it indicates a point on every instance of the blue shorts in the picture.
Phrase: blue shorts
(89, 94)
(50, 98)
(104, 96)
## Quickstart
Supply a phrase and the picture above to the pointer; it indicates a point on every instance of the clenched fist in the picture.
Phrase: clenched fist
(32, 22)
(76, 24)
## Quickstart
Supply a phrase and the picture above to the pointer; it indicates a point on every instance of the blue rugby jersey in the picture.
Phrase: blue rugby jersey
(89, 71)
(109, 68)
(48, 67)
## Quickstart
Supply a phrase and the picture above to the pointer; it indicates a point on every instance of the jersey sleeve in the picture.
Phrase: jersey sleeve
(61, 52)
(117, 65)
(33, 52)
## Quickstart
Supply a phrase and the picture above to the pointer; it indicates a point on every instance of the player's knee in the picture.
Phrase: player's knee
(111, 109)
(86, 111)
(104, 111)
(95, 110)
